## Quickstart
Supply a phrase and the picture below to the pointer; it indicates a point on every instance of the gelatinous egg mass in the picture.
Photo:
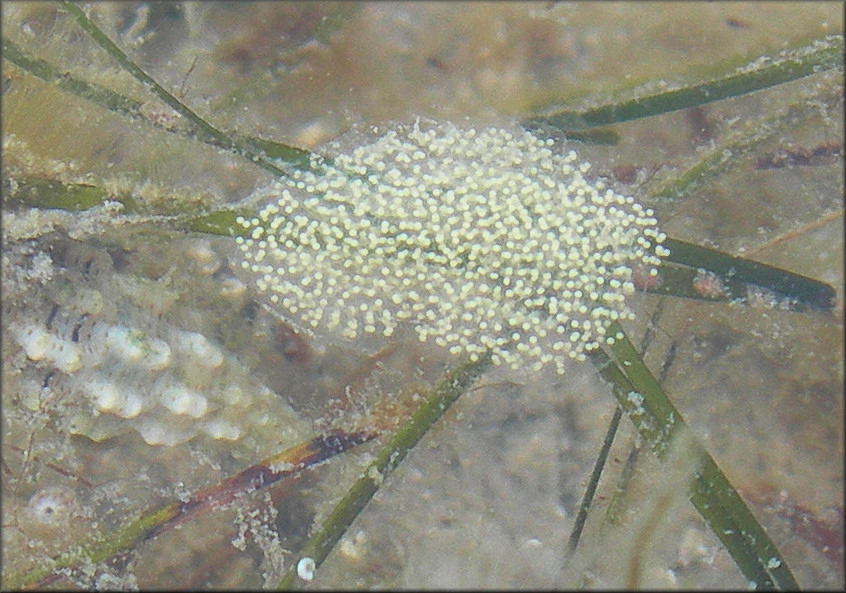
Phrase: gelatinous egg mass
(476, 239)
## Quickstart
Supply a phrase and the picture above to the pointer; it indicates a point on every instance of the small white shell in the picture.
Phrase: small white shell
(305, 569)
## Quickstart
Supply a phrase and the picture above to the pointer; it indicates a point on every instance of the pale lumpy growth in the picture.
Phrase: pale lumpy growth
(119, 352)
(475, 238)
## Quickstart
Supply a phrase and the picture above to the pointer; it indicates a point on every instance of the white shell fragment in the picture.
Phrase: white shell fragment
(476, 238)
(305, 569)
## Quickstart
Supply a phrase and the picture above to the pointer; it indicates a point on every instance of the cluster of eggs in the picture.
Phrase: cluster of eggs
(475, 238)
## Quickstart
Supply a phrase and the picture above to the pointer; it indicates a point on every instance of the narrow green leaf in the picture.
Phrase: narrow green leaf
(593, 482)
(151, 524)
(220, 222)
(659, 423)
(324, 538)
(788, 65)
(260, 148)
(204, 129)
(737, 273)
(739, 141)
(65, 81)
(50, 194)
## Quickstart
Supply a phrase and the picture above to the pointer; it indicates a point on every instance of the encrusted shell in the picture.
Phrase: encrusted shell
(121, 350)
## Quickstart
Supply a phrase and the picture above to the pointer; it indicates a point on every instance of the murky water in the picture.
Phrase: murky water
(139, 367)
